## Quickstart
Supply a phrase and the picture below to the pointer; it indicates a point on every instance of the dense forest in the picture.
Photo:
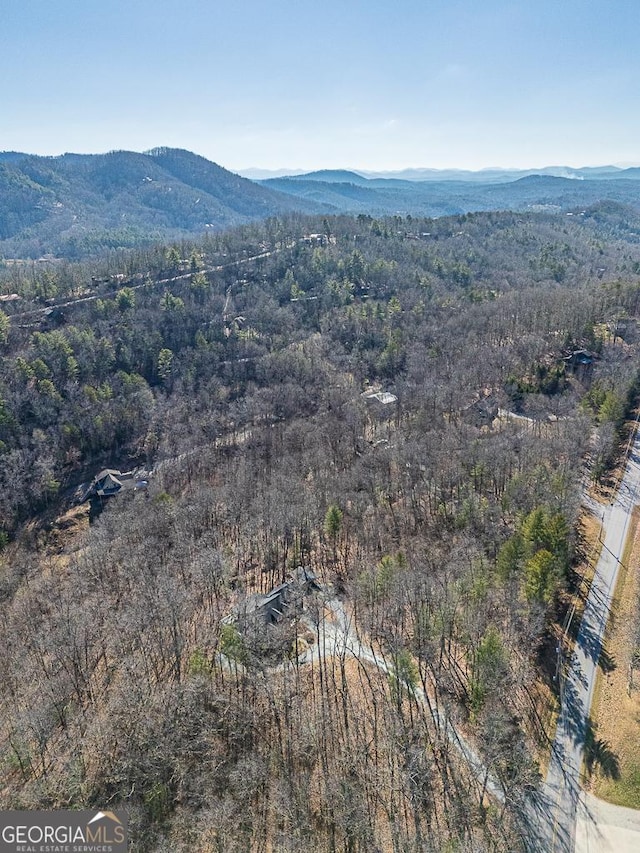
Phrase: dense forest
(384, 426)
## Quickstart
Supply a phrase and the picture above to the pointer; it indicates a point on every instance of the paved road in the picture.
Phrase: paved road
(68, 303)
(605, 828)
(558, 803)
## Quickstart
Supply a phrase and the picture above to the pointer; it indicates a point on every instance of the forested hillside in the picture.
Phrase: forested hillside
(79, 205)
(391, 418)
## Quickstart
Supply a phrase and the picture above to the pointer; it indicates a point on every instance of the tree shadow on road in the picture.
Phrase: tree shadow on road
(591, 642)
(540, 828)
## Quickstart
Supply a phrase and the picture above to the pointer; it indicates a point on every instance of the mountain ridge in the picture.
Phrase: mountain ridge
(389, 196)
(493, 174)
(73, 204)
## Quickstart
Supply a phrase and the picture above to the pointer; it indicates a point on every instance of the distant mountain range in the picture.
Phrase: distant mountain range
(75, 205)
(353, 192)
(483, 176)
(502, 175)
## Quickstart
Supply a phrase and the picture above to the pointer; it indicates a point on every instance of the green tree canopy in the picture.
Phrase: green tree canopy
(542, 577)
(333, 521)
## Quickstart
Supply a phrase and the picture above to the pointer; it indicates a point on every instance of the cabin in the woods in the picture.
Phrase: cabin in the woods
(107, 483)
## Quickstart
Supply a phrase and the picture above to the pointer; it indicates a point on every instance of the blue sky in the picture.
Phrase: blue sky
(326, 84)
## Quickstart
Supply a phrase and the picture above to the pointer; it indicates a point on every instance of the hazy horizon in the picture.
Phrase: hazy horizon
(453, 84)
(300, 170)
(285, 170)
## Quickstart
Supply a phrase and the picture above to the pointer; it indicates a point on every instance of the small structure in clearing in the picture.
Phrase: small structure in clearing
(580, 363)
(384, 397)
(107, 483)
(482, 412)
(579, 357)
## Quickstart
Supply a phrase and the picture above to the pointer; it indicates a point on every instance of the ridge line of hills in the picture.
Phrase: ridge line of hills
(489, 175)
(75, 205)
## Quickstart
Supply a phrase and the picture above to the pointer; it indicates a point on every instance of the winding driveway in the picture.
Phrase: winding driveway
(338, 638)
